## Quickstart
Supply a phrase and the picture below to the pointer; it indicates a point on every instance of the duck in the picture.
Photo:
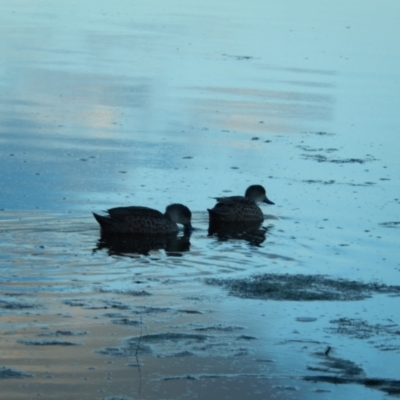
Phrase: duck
(240, 209)
(144, 220)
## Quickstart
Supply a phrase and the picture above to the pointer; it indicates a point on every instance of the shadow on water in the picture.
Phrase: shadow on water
(128, 245)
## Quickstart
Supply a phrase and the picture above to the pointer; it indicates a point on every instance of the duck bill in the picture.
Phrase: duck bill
(188, 229)
(268, 201)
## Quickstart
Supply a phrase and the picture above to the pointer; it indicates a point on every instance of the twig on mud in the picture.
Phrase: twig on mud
(136, 356)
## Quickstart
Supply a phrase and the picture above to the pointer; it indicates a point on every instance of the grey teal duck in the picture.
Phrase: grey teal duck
(144, 220)
(240, 209)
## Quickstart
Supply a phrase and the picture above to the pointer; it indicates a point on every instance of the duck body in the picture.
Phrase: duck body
(144, 220)
(236, 210)
(240, 209)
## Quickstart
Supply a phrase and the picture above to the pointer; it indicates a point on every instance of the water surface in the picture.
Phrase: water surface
(158, 103)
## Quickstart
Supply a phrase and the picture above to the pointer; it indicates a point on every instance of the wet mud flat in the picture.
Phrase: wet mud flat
(174, 353)
(320, 288)
(174, 346)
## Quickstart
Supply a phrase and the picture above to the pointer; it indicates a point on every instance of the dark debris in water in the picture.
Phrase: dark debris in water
(6, 373)
(301, 288)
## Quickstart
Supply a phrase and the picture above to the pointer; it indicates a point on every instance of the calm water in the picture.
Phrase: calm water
(161, 102)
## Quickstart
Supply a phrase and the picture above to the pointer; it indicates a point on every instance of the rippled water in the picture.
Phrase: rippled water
(154, 104)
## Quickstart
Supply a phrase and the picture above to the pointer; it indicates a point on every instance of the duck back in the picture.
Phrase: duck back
(136, 220)
(236, 209)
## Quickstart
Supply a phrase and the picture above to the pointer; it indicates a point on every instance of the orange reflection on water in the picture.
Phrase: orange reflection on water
(257, 111)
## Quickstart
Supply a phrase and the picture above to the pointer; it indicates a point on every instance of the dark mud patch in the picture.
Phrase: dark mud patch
(322, 158)
(146, 344)
(98, 304)
(337, 366)
(389, 386)
(151, 310)
(48, 342)
(101, 305)
(340, 371)
(76, 303)
(62, 333)
(320, 181)
(118, 305)
(361, 329)
(391, 224)
(333, 182)
(136, 293)
(15, 305)
(219, 328)
(140, 310)
(117, 398)
(237, 57)
(190, 311)
(177, 344)
(313, 149)
(126, 350)
(6, 373)
(301, 288)
(197, 377)
(321, 133)
(126, 321)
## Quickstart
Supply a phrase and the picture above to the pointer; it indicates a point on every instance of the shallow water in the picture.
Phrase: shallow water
(157, 104)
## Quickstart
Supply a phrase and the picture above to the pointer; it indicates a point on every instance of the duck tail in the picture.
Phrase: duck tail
(104, 222)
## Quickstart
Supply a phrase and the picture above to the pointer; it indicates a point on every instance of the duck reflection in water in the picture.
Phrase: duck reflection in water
(253, 234)
(129, 244)
(240, 217)
(141, 229)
